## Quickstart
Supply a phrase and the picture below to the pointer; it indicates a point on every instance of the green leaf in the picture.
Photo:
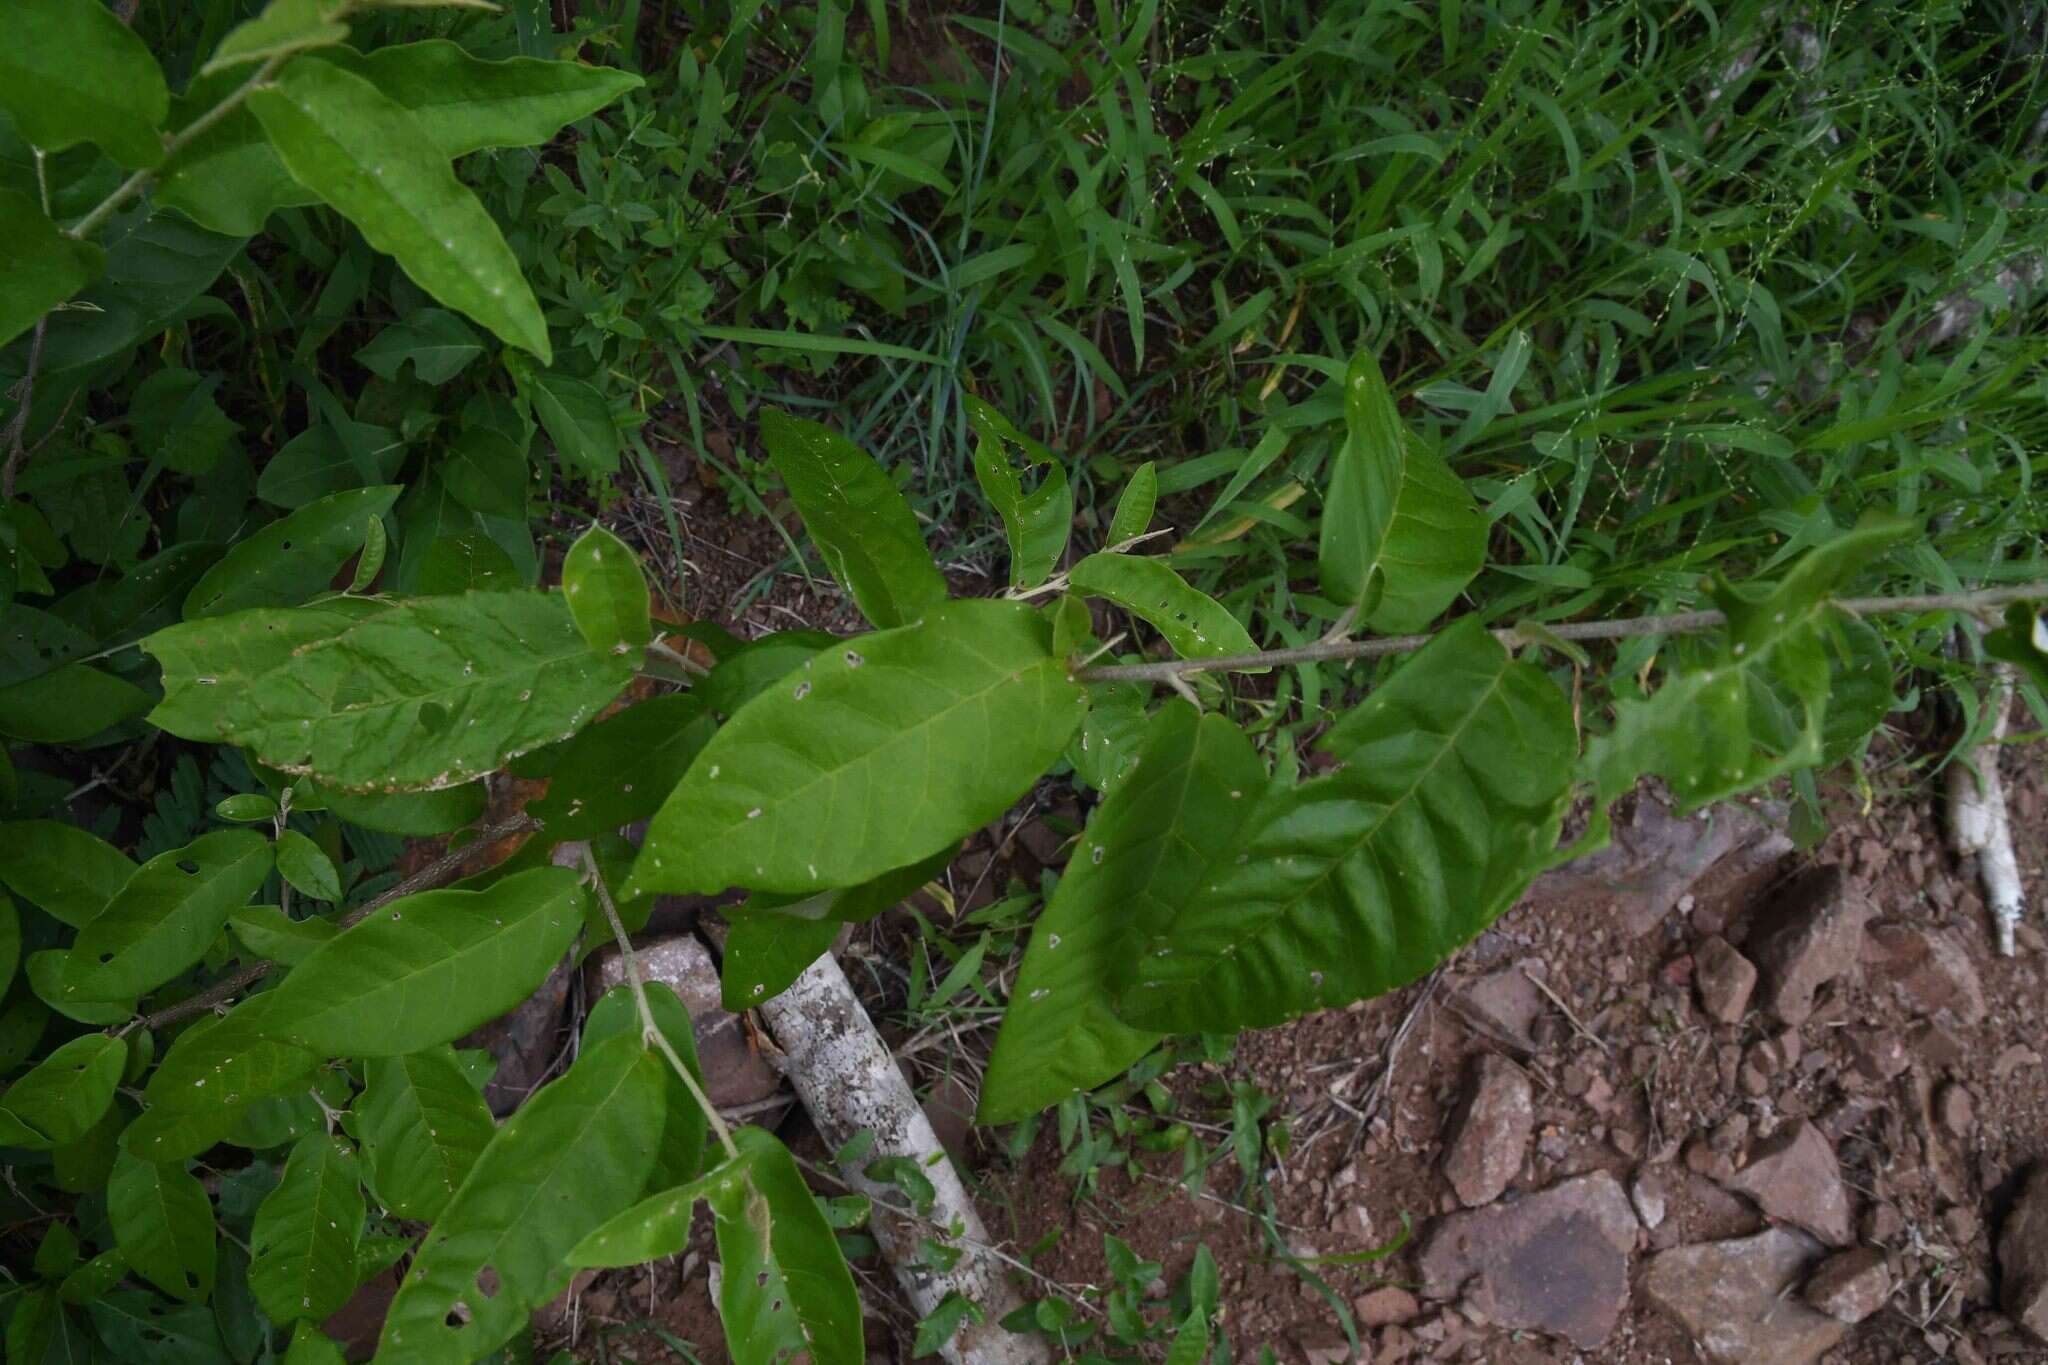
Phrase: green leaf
(885, 749)
(44, 266)
(210, 663)
(72, 73)
(311, 1346)
(486, 472)
(163, 1223)
(303, 1245)
(1036, 523)
(1455, 777)
(467, 104)
(428, 968)
(247, 808)
(68, 872)
(1135, 505)
(284, 26)
(775, 937)
(370, 159)
(681, 1155)
(439, 345)
(1751, 704)
(429, 694)
(416, 813)
(748, 671)
(316, 464)
(786, 1289)
(167, 915)
(859, 520)
(470, 562)
(93, 1279)
(571, 1157)
(22, 1022)
(1401, 534)
(306, 866)
(938, 1328)
(139, 1326)
(217, 1071)
(228, 178)
(175, 419)
(575, 417)
(622, 768)
(422, 1126)
(1144, 856)
(68, 1090)
(10, 943)
(293, 558)
(46, 972)
(2022, 642)
(607, 595)
(274, 936)
(1195, 624)
(69, 705)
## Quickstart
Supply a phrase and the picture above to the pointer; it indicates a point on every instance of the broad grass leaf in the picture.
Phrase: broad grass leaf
(72, 73)
(607, 595)
(1401, 534)
(167, 915)
(786, 1289)
(67, 872)
(883, 750)
(293, 558)
(858, 518)
(422, 1126)
(416, 813)
(1037, 523)
(283, 26)
(575, 1154)
(67, 1092)
(622, 768)
(303, 1245)
(1195, 624)
(428, 968)
(163, 1224)
(1145, 854)
(214, 1074)
(209, 664)
(306, 866)
(370, 159)
(681, 1155)
(575, 417)
(1134, 506)
(1454, 781)
(44, 266)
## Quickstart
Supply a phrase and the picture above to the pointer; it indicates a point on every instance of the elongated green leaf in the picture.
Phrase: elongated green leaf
(1144, 856)
(1401, 534)
(775, 937)
(2022, 642)
(167, 915)
(271, 934)
(857, 517)
(622, 768)
(68, 872)
(10, 943)
(69, 705)
(209, 663)
(422, 1126)
(607, 595)
(292, 559)
(682, 1132)
(306, 866)
(439, 345)
(1752, 704)
(46, 972)
(369, 158)
(316, 464)
(44, 267)
(284, 26)
(1037, 523)
(68, 1090)
(882, 751)
(1453, 786)
(72, 73)
(428, 968)
(163, 1223)
(23, 1020)
(571, 1157)
(228, 178)
(575, 418)
(310, 1346)
(1194, 623)
(303, 1246)
(486, 472)
(748, 671)
(1135, 505)
(418, 813)
(216, 1072)
(786, 1289)
(430, 694)
(466, 104)
(138, 1326)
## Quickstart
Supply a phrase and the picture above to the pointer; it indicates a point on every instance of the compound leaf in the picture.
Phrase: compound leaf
(163, 1224)
(422, 1126)
(1194, 623)
(303, 1244)
(167, 915)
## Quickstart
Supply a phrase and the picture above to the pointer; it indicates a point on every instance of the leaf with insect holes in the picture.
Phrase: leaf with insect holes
(163, 1223)
(858, 518)
(607, 595)
(303, 1245)
(209, 663)
(370, 159)
(571, 1157)
(1751, 703)
(292, 559)
(681, 1155)
(167, 915)
(72, 73)
(1401, 535)
(432, 693)
(884, 749)
(429, 967)
(1134, 506)
(422, 1126)
(215, 1072)
(269, 933)
(1036, 523)
(46, 973)
(774, 938)
(65, 1094)
(306, 866)
(1454, 779)
(622, 768)
(1195, 624)
(44, 267)
(67, 872)
(751, 669)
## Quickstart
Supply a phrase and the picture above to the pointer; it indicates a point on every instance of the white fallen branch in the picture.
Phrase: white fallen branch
(851, 1084)
(1977, 819)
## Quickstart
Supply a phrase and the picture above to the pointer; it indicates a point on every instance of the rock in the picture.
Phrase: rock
(1503, 1005)
(1732, 1296)
(2011, 1058)
(1490, 1131)
(1850, 1285)
(1929, 968)
(1881, 1056)
(1646, 1196)
(1794, 1177)
(1812, 934)
(1881, 1223)
(1725, 979)
(1655, 857)
(1388, 1306)
(1552, 1262)
(1956, 1110)
(526, 1043)
(2023, 1256)
(735, 1073)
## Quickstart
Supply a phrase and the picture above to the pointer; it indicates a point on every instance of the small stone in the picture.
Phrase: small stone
(1794, 1177)
(1732, 1296)
(1752, 1080)
(1955, 1110)
(1930, 969)
(1882, 1223)
(1880, 1057)
(2011, 1059)
(1730, 1134)
(1388, 1306)
(1646, 1196)
(1701, 1159)
(1725, 979)
(1504, 1005)
(1850, 1285)
(1490, 1131)
(1808, 937)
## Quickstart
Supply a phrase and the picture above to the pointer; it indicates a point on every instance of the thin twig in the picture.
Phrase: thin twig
(17, 425)
(1678, 623)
